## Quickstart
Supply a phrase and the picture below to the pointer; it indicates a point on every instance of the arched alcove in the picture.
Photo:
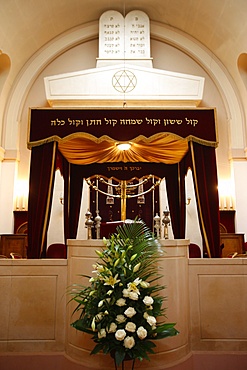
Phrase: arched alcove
(4, 69)
(242, 67)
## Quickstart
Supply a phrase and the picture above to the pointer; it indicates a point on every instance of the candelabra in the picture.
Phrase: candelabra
(124, 189)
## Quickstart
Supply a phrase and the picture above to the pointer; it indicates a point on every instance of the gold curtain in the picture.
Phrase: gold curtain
(159, 148)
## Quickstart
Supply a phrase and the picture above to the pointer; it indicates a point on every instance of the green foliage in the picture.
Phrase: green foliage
(121, 305)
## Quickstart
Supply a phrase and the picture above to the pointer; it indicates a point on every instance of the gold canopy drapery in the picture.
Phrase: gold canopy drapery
(159, 148)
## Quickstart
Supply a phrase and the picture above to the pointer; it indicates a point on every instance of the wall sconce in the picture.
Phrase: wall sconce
(226, 198)
(226, 202)
(21, 195)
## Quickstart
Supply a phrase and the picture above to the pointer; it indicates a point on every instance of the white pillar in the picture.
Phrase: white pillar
(239, 169)
(7, 193)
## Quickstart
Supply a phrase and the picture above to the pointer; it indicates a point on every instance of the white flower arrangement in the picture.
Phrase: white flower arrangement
(121, 305)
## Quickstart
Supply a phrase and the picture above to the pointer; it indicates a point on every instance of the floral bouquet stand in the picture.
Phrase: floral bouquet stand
(121, 307)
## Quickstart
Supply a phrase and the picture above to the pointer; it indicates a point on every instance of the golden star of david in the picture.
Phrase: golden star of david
(124, 81)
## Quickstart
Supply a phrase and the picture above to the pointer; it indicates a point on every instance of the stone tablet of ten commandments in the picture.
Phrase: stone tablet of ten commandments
(124, 38)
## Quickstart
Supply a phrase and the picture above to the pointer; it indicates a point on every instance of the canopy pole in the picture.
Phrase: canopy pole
(123, 199)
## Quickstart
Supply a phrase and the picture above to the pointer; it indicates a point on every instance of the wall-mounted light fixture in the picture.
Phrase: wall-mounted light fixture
(226, 197)
(21, 195)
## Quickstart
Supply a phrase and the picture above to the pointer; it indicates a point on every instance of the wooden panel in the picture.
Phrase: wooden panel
(16, 243)
(227, 219)
(20, 222)
(233, 243)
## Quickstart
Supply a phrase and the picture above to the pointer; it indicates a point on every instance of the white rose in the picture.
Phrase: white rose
(120, 334)
(151, 320)
(102, 333)
(145, 315)
(125, 293)
(112, 328)
(130, 326)
(130, 312)
(120, 319)
(142, 332)
(121, 302)
(99, 316)
(133, 296)
(129, 342)
(148, 300)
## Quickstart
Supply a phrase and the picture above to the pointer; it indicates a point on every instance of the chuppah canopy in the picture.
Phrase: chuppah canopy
(163, 142)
